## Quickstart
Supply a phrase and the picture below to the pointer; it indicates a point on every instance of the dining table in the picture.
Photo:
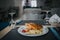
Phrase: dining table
(52, 34)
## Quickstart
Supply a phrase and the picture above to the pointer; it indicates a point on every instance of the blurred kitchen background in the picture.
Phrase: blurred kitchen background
(28, 9)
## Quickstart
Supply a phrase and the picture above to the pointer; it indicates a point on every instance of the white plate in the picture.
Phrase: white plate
(45, 31)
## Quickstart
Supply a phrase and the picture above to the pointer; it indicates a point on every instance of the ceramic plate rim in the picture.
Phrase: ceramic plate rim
(19, 29)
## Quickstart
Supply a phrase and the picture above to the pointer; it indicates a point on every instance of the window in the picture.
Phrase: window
(33, 3)
(23, 2)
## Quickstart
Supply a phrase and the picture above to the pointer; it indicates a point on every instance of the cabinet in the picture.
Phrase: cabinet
(32, 14)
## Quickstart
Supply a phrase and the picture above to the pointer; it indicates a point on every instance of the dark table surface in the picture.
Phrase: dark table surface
(53, 34)
(14, 35)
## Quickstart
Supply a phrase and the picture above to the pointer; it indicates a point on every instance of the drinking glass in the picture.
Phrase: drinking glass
(12, 22)
(47, 17)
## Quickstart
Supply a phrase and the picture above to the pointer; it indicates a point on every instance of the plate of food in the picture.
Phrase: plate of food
(32, 29)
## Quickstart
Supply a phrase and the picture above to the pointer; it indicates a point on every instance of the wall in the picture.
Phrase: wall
(6, 3)
(55, 3)
(4, 7)
(12, 3)
(18, 3)
(40, 3)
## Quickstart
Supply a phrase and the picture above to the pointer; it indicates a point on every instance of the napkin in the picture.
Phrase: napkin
(54, 19)
(59, 20)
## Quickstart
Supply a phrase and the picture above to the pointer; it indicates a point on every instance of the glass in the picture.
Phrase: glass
(47, 17)
(12, 22)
